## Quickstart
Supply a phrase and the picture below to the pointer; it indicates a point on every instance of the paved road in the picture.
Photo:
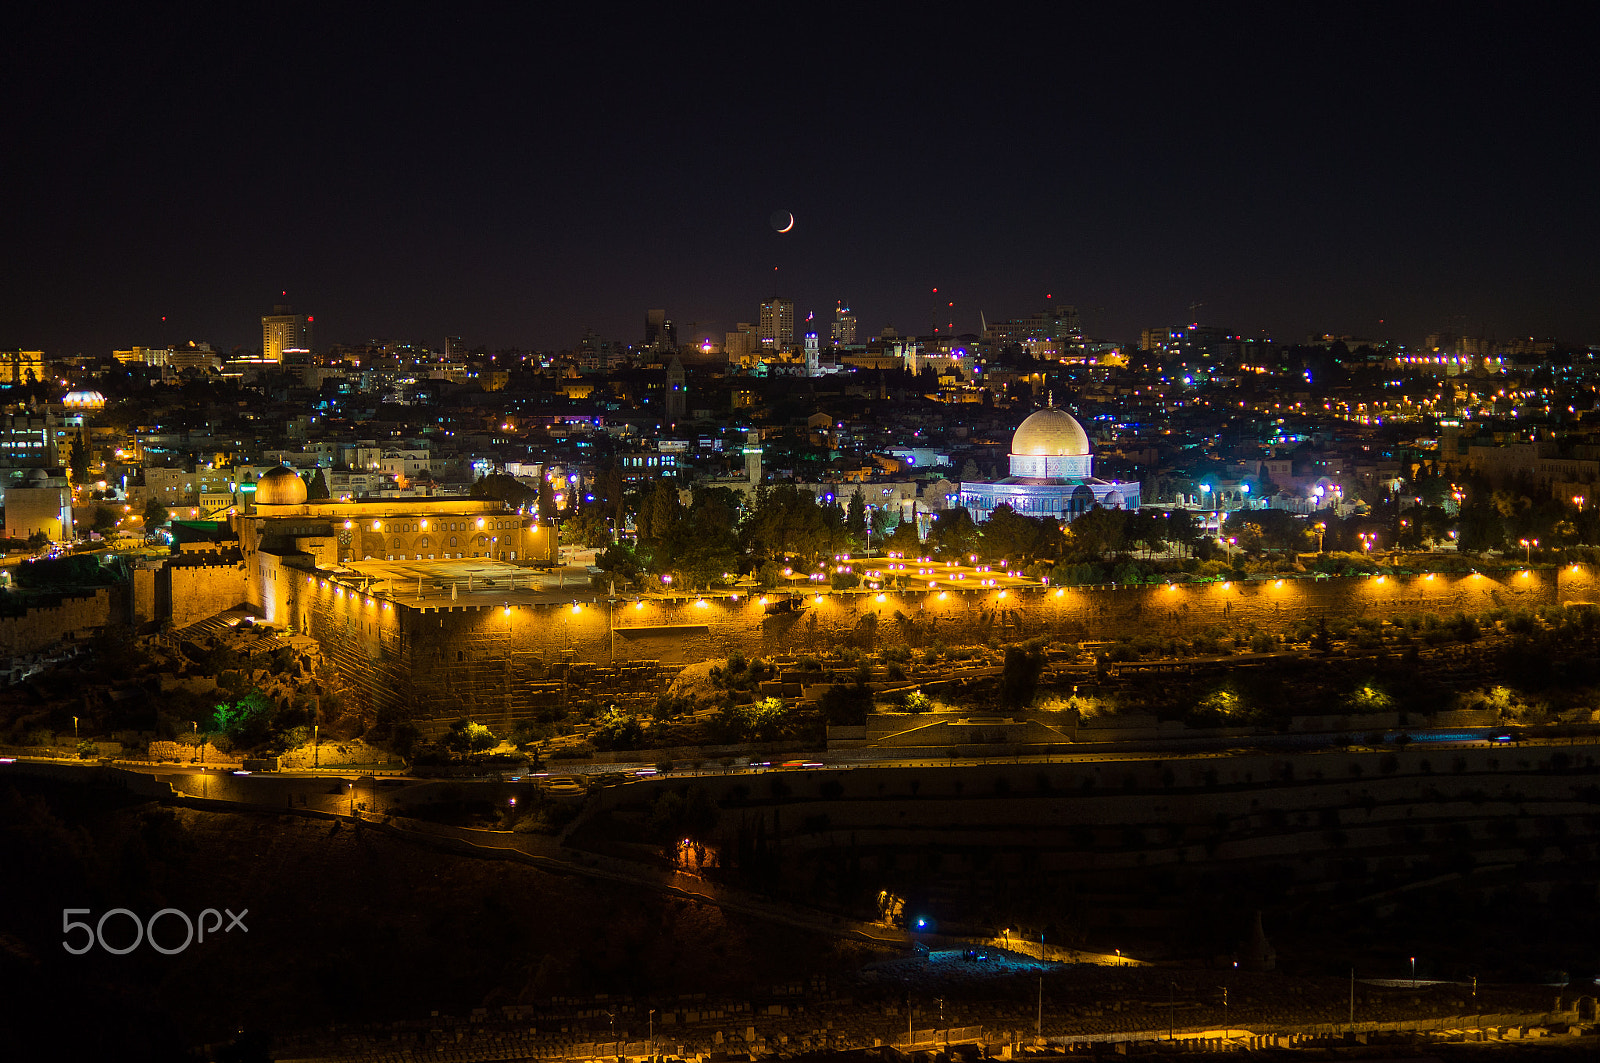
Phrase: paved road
(888, 758)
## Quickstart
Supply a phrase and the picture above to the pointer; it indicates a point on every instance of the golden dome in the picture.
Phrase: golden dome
(281, 487)
(1050, 433)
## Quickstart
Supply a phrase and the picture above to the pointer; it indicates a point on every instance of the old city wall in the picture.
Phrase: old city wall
(44, 626)
(450, 660)
(190, 591)
(142, 594)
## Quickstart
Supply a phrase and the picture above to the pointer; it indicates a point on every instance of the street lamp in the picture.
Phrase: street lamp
(1322, 530)
(1527, 546)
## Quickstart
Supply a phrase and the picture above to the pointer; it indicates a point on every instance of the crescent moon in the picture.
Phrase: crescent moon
(786, 228)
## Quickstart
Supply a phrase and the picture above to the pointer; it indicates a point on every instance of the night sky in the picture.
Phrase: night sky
(513, 176)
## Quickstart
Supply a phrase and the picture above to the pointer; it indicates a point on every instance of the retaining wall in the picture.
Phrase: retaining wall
(487, 659)
(42, 627)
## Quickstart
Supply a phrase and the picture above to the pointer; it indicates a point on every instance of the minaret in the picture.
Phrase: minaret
(752, 458)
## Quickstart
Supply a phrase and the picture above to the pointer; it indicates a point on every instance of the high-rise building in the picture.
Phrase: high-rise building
(455, 349)
(595, 353)
(777, 324)
(677, 391)
(740, 345)
(284, 330)
(844, 326)
(1056, 323)
(659, 329)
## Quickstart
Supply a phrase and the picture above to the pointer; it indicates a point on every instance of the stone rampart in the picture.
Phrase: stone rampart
(192, 590)
(46, 625)
(488, 659)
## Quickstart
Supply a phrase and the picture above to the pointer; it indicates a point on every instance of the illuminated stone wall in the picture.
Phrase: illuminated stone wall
(458, 659)
(42, 627)
(191, 588)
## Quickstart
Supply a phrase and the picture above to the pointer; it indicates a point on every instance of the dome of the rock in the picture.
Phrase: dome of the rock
(1050, 433)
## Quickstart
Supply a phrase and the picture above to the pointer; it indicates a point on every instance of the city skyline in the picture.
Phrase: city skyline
(433, 176)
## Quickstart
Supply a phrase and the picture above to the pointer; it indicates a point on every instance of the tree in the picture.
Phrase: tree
(105, 518)
(507, 489)
(1019, 677)
(617, 729)
(80, 458)
(1013, 537)
(620, 560)
(706, 546)
(1183, 529)
(954, 535)
(766, 720)
(317, 487)
(245, 721)
(469, 736)
(846, 705)
(1097, 533)
(586, 527)
(155, 514)
(855, 521)
(658, 515)
(1268, 529)
(786, 521)
(878, 523)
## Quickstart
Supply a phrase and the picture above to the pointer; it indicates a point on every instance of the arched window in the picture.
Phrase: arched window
(452, 540)
(423, 543)
(399, 543)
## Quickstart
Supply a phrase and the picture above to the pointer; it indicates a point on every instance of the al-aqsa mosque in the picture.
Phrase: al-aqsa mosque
(1052, 474)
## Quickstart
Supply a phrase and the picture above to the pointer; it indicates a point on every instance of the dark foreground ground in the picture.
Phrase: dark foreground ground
(359, 939)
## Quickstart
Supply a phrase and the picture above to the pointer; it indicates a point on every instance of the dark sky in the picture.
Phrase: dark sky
(513, 176)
